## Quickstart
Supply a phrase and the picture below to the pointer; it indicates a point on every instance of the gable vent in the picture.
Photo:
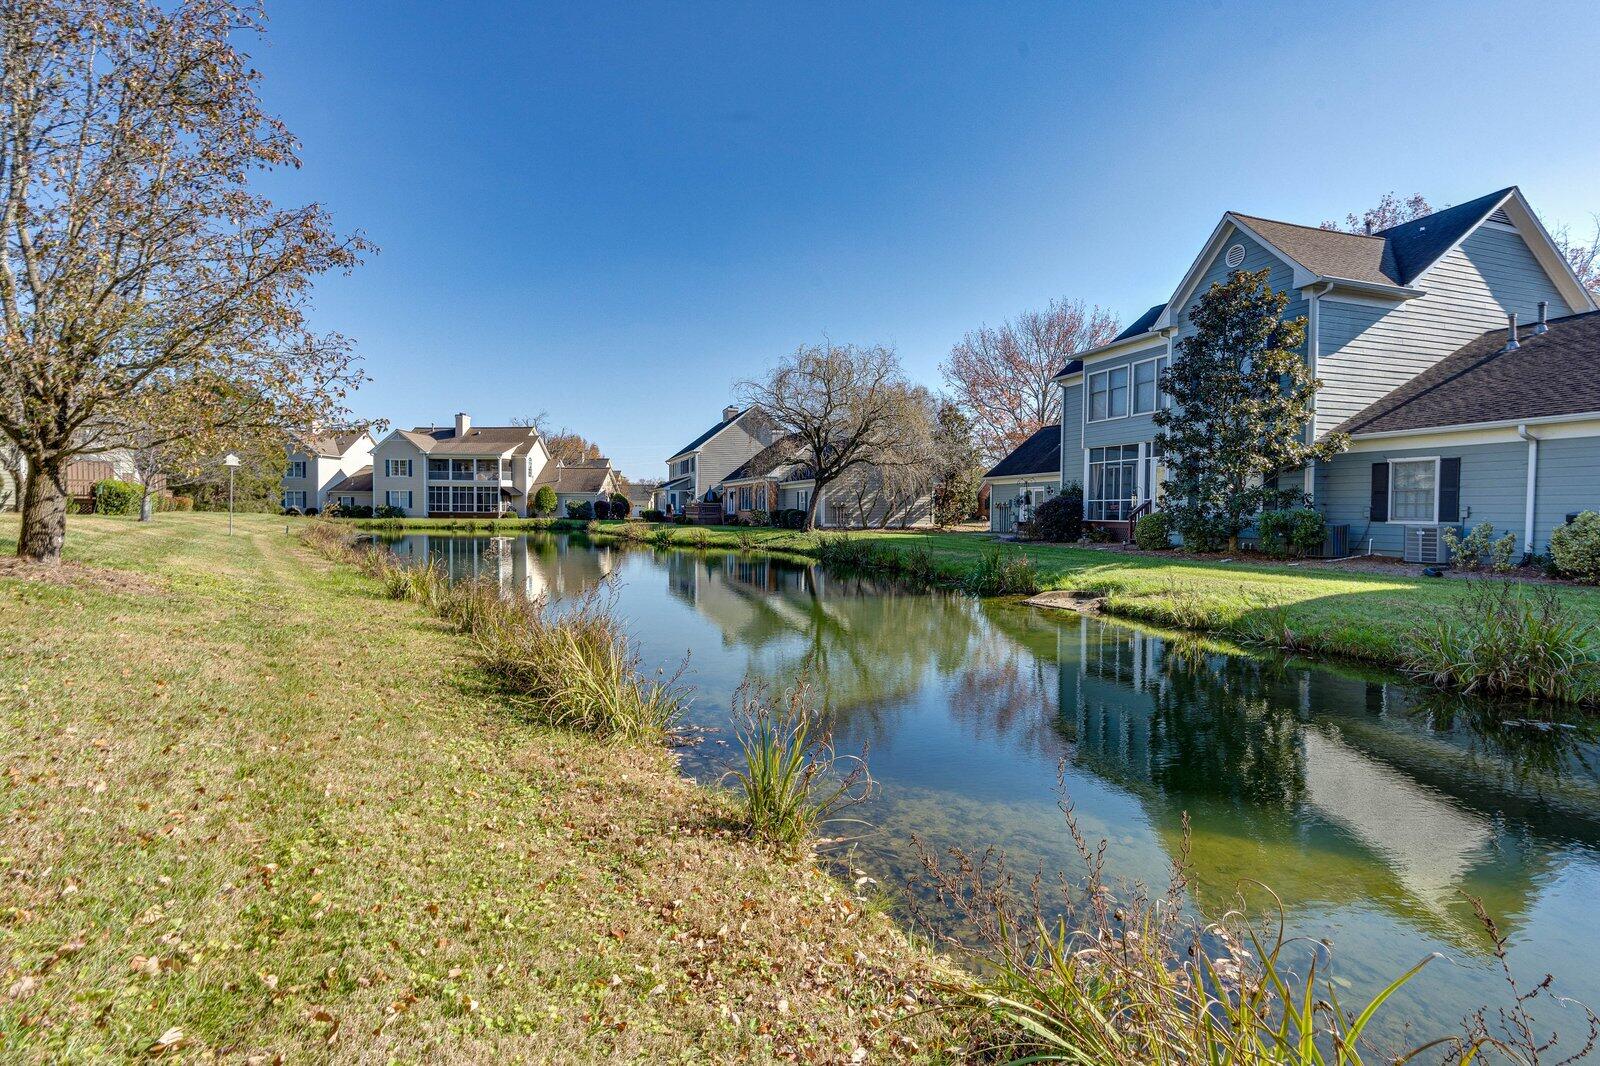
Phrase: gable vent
(1234, 256)
(1501, 217)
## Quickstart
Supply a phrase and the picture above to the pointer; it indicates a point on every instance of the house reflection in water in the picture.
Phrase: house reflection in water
(545, 566)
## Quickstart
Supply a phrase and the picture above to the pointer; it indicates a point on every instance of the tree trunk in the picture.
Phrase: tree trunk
(811, 508)
(147, 504)
(44, 513)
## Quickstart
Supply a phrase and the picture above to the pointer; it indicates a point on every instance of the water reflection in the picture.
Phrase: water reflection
(1368, 806)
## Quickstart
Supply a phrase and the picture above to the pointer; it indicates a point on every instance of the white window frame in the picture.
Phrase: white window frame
(1415, 460)
(1128, 465)
(1158, 398)
(294, 492)
(297, 470)
(391, 498)
(1088, 396)
(393, 468)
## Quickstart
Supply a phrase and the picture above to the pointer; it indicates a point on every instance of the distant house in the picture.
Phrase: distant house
(1458, 350)
(355, 490)
(1024, 479)
(695, 471)
(780, 477)
(584, 481)
(321, 461)
(643, 496)
(460, 469)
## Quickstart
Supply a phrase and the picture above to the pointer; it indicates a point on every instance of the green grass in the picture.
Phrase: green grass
(249, 797)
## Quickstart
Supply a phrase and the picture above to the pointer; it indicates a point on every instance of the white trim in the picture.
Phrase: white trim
(1392, 520)
(1012, 479)
(1088, 393)
(1545, 251)
(1533, 481)
(1125, 347)
(1586, 424)
(1362, 300)
(1197, 269)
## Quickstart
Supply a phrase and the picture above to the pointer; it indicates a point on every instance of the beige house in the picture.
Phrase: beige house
(353, 491)
(778, 478)
(695, 471)
(584, 481)
(320, 462)
(459, 469)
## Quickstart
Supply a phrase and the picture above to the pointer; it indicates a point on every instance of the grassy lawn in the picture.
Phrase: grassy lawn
(1330, 610)
(253, 806)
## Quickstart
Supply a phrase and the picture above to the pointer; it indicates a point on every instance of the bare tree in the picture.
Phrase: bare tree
(137, 265)
(1003, 377)
(1390, 211)
(841, 403)
(565, 445)
(1583, 255)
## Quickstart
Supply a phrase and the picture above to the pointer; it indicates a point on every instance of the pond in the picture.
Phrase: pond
(1367, 805)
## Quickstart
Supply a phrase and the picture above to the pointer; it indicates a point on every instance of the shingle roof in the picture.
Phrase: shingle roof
(478, 440)
(1329, 252)
(360, 481)
(685, 482)
(1039, 454)
(708, 434)
(1417, 245)
(334, 442)
(1139, 325)
(1553, 373)
(585, 476)
(780, 461)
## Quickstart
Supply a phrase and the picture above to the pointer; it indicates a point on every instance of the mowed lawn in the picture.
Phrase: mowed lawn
(252, 809)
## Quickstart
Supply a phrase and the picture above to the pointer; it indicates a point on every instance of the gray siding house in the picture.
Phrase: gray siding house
(1023, 480)
(1408, 330)
(781, 477)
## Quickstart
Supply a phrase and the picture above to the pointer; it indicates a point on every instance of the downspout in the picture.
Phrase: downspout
(1533, 474)
(1313, 353)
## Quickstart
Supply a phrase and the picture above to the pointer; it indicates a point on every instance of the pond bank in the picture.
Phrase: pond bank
(261, 805)
(1316, 610)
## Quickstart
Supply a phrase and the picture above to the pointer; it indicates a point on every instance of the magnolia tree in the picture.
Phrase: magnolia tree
(150, 299)
(845, 406)
(1242, 402)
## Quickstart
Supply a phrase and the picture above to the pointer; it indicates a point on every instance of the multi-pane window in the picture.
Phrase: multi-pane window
(296, 499)
(1413, 495)
(761, 498)
(297, 468)
(397, 467)
(1108, 394)
(395, 498)
(505, 470)
(1113, 482)
(438, 470)
(746, 499)
(1147, 394)
(463, 499)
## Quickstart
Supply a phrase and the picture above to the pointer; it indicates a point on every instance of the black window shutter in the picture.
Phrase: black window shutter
(1380, 492)
(1449, 490)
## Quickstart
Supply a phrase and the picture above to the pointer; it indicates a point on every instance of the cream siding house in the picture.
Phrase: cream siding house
(696, 469)
(320, 462)
(458, 469)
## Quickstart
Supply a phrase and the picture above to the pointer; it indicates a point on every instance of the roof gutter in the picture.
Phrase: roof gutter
(1404, 292)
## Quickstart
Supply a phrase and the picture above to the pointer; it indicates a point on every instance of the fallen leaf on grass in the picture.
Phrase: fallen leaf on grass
(167, 1041)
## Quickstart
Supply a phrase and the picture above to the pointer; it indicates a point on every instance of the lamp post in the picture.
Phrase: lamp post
(230, 461)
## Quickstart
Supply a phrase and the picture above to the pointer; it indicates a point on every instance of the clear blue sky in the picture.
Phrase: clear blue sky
(613, 212)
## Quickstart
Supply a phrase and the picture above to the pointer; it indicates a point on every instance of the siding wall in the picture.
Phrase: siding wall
(1071, 433)
(1568, 481)
(1128, 430)
(1493, 489)
(1004, 519)
(858, 492)
(398, 447)
(727, 451)
(1368, 350)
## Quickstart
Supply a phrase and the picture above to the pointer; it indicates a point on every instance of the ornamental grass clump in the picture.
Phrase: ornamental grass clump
(1508, 640)
(1003, 573)
(790, 779)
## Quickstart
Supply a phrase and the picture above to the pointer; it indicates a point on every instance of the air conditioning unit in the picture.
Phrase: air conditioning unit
(1424, 545)
(1337, 546)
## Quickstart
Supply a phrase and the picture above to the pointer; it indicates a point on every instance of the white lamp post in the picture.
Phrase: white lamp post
(230, 461)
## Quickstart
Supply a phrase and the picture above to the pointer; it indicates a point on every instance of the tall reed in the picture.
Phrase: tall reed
(791, 780)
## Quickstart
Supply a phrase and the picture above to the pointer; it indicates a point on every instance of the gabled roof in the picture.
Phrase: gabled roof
(1417, 245)
(708, 434)
(477, 440)
(1328, 253)
(585, 476)
(1551, 374)
(333, 443)
(1039, 454)
(1139, 325)
(360, 481)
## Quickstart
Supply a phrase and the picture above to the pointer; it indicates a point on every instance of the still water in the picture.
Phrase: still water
(1367, 805)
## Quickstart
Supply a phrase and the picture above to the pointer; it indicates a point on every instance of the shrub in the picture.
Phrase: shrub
(312, 511)
(1153, 532)
(621, 506)
(293, 511)
(1478, 547)
(760, 518)
(1296, 531)
(789, 518)
(582, 510)
(1504, 640)
(359, 510)
(388, 511)
(1575, 548)
(1060, 518)
(790, 778)
(601, 509)
(1003, 573)
(544, 502)
(680, 519)
(117, 497)
(653, 515)
(174, 503)
(1201, 532)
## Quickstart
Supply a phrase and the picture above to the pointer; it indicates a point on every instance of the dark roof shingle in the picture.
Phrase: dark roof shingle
(1550, 374)
(360, 481)
(1417, 245)
(1039, 454)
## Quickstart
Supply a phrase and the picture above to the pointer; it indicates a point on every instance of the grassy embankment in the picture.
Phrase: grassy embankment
(252, 806)
(1308, 607)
